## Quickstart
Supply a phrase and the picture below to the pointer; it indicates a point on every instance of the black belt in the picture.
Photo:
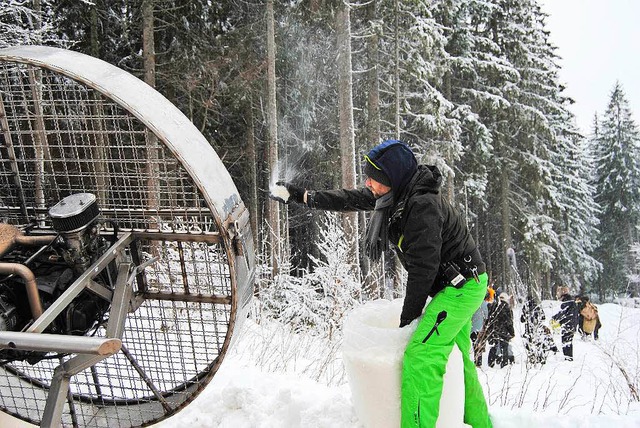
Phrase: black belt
(459, 271)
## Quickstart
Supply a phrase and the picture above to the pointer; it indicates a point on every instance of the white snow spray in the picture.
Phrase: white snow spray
(297, 135)
(285, 170)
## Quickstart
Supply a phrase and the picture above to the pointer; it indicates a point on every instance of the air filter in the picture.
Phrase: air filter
(74, 213)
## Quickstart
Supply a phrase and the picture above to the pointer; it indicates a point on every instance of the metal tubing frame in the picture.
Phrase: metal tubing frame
(52, 416)
(79, 285)
(33, 295)
(55, 343)
(91, 351)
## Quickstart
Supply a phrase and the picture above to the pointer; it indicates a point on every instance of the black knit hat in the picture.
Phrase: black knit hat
(376, 173)
(391, 163)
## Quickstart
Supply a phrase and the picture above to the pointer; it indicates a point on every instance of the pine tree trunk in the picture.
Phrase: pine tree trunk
(149, 64)
(449, 184)
(273, 208)
(148, 44)
(40, 137)
(505, 211)
(373, 273)
(397, 279)
(253, 172)
(396, 77)
(347, 138)
(373, 86)
(483, 243)
(93, 41)
(629, 261)
(37, 10)
(545, 291)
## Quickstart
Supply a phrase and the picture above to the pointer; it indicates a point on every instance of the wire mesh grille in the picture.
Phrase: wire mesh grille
(170, 352)
(59, 137)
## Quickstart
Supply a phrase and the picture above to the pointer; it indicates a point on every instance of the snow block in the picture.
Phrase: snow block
(373, 349)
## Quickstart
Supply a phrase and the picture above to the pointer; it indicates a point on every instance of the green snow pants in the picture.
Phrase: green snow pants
(424, 364)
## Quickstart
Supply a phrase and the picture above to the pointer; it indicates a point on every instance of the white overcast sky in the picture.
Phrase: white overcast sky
(599, 43)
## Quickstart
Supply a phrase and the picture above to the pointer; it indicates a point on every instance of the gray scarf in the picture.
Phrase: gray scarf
(377, 240)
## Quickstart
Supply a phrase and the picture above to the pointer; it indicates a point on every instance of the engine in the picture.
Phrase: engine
(33, 262)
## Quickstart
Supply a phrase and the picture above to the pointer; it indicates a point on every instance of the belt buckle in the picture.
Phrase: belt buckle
(458, 281)
(474, 271)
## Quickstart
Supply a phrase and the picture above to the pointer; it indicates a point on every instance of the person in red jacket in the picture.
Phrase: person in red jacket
(434, 245)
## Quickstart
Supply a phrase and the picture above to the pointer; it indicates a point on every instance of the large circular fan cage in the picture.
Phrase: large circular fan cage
(121, 228)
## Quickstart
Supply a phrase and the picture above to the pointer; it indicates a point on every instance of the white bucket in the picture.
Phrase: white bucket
(373, 349)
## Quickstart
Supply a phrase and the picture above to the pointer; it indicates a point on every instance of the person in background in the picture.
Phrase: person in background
(478, 338)
(500, 331)
(533, 317)
(492, 294)
(433, 243)
(545, 343)
(588, 318)
(498, 292)
(567, 317)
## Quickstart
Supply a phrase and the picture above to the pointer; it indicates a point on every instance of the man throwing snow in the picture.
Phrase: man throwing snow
(434, 245)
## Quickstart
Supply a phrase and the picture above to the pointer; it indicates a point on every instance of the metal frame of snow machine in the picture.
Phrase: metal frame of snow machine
(174, 259)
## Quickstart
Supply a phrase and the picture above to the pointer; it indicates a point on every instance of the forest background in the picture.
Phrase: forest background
(300, 90)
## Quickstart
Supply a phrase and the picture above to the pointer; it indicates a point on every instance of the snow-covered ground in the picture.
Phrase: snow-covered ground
(271, 380)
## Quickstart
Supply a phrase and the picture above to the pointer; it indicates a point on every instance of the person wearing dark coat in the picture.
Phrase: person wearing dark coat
(567, 317)
(543, 341)
(478, 332)
(533, 316)
(433, 243)
(500, 331)
(586, 327)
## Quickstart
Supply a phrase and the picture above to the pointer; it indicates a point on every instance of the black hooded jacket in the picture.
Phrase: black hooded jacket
(568, 314)
(424, 228)
(499, 322)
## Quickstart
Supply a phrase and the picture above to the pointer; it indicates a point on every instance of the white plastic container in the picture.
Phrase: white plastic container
(373, 349)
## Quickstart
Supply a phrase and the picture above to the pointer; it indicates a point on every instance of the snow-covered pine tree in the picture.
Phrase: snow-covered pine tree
(523, 140)
(318, 301)
(105, 30)
(475, 83)
(472, 82)
(411, 63)
(333, 275)
(22, 24)
(577, 220)
(399, 49)
(532, 135)
(616, 148)
(502, 73)
(570, 203)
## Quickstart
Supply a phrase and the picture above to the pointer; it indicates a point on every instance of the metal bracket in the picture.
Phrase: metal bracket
(79, 285)
(122, 294)
(236, 239)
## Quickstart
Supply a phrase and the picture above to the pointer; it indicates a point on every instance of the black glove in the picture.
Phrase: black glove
(296, 194)
(404, 321)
